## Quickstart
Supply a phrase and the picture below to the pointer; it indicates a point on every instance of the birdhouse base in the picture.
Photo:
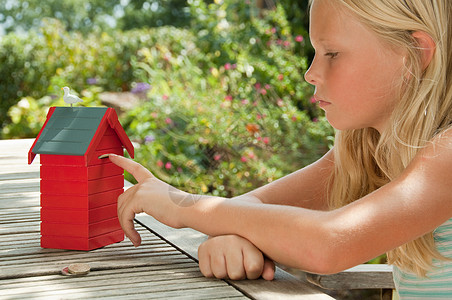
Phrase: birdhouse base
(80, 243)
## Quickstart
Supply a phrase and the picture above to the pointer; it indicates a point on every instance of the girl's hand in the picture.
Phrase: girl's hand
(233, 257)
(149, 195)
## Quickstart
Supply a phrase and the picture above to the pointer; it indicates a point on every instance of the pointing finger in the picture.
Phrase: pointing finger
(138, 171)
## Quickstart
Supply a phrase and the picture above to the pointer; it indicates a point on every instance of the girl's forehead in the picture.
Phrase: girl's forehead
(329, 21)
(332, 24)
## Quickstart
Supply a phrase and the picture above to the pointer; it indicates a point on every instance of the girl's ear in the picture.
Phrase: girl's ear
(426, 46)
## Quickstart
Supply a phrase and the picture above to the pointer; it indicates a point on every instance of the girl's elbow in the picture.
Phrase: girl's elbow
(325, 262)
(325, 255)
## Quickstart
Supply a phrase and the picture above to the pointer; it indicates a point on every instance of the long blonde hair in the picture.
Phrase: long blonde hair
(365, 159)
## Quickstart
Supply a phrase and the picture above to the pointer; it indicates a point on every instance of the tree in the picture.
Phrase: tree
(84, 15)
(155, 13)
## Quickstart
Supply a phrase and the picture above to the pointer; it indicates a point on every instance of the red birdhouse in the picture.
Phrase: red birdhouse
(79, 190)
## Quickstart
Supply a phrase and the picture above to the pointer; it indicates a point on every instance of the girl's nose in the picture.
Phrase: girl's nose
(311, 75)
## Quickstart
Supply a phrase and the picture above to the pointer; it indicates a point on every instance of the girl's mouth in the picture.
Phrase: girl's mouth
(322, 103)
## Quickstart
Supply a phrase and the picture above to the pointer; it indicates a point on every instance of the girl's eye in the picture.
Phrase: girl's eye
(332, 54)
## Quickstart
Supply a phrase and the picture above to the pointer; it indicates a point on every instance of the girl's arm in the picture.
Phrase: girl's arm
(306, 187)
(317, 241)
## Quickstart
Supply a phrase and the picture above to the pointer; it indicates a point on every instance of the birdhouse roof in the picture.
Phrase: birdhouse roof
(73, 130)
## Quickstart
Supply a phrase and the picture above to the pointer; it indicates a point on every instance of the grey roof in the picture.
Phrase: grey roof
(69, 130)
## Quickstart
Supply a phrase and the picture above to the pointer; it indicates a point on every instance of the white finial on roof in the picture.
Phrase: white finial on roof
(68, 98)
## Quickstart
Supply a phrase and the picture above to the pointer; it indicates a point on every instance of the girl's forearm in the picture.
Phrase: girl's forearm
(289, 235)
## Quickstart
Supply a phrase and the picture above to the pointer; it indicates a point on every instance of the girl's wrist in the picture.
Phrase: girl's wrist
(198, 212)
(186, 211)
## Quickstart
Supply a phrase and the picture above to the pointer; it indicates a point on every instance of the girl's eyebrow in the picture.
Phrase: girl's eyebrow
(324, 42)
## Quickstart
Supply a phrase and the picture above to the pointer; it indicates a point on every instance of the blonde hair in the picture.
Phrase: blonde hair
(365, 159)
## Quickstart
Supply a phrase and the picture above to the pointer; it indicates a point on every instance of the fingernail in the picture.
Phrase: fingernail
(104, 156)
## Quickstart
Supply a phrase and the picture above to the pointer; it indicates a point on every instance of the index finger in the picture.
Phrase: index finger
(138, 171)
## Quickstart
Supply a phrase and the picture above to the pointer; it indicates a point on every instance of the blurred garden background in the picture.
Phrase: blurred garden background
(211, 92)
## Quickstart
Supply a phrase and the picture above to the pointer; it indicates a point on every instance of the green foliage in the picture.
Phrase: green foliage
(22, 71)
(226, 105)
(226, 119)
(155, 13)
(40, 64)
(77, 15)
(264, 50)
(88, 16)
(195, 136)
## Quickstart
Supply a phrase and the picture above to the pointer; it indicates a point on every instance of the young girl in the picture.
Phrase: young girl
(382, 73)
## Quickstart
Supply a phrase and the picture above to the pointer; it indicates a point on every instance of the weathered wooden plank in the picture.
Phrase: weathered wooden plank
(14, 146)
(18, 174)
(284, 286)
(99, 278)
(22, 187)
(22, 258)
(150, 281)
(195, 290)
(105, 264)
(109, 274)
(19, 199)
(367, 276)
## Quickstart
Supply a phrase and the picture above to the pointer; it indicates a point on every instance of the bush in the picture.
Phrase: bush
(226, 106)
(227, 119)
(40, 64)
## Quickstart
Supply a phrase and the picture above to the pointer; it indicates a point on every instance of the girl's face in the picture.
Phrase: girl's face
(355, 74)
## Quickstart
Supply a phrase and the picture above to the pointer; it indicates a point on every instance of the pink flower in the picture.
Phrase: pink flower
(313, 100)
(299, 38)
(159, 163)
(267, 86)
(273, 30)
(168, 121)
(244, 159)
(165, 97)
(217, 157)
(251, 155)
(257, 86)
(266, 140)
(227, 66)
(280, 102)
(168, 165)
(280, 77)
(245, 101)
(315, 120)
(286, 44)
(228, 98)
(294, 118)
(263, 92)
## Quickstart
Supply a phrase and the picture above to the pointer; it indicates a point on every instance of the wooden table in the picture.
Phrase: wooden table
(165, 266)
